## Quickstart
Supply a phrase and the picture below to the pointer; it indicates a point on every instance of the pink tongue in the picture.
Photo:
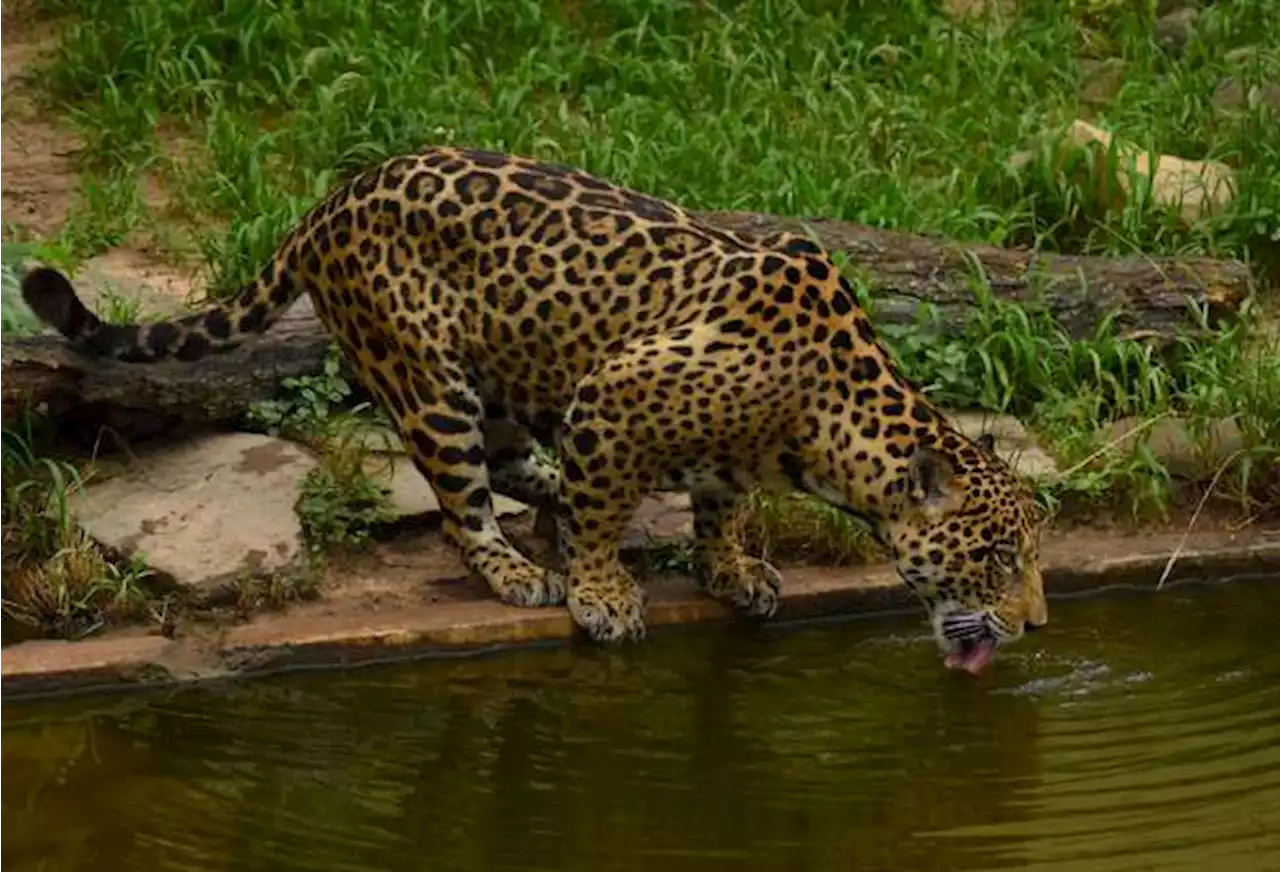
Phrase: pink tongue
(975, 659)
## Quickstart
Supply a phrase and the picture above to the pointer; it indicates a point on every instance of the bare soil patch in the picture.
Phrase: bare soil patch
(38, 176)
(39, 182)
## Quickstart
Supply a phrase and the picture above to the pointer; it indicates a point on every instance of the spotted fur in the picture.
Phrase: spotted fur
(489, 300)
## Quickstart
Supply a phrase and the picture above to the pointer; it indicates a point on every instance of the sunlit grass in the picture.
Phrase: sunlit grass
(883, 113)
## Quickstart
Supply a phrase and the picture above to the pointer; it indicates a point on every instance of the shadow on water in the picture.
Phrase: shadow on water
(1137, 731)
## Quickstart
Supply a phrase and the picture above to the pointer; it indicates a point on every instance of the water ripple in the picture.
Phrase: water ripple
(1130, 734)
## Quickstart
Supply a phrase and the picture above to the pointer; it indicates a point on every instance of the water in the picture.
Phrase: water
(1137, 731)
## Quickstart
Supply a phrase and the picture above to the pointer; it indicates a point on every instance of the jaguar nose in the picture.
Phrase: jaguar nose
(1030, 626)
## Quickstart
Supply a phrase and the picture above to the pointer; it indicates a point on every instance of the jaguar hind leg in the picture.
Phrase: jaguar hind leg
(517, 471)
(447, 444)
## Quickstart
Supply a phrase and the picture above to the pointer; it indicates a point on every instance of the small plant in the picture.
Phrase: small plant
(117, 308)
(15, 317)
(308, 403)
(274, 592)
(671, 557)
(108, 210)
(36, 516)
(340, 514)
(796, 528)
(60, 596)
(341, 500)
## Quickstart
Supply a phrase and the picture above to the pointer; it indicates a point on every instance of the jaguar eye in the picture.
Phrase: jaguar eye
(1005, 559)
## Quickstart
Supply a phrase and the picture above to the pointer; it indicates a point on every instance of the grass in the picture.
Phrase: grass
(886, 113)
(341, 499)
(15, 318)
(883, 113)
(56, 581)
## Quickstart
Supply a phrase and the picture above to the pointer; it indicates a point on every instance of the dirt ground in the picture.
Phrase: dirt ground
(39, 184)
(38, 178)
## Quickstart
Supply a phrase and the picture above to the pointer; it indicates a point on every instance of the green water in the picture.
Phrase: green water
(1137, 731)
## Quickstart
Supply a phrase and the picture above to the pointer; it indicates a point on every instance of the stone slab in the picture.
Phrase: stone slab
(1014, 442)
(204, 512)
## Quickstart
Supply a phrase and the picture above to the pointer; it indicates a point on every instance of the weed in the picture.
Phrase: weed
(253, 594)
(15, 317)
(1237, 380)
(75, 592)
(307, 404)
(110, 207)
(36, 511)
(675, 557)
(796, 528)
(341, 500)
(117, 308)
(55, 578)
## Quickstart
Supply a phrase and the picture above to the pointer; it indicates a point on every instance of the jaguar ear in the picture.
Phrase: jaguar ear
(930, 479)
(987, 442)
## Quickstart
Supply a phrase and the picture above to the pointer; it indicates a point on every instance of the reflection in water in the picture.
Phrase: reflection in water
(1135, 732)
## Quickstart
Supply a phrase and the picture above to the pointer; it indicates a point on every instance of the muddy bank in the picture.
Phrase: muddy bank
(409, 601)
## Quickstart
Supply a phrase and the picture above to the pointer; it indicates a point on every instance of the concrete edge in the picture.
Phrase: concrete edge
(289, 641)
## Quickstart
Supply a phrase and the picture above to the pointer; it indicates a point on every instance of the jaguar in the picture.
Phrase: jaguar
(492, 302)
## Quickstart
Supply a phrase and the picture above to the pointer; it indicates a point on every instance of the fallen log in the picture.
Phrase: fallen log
(1148, 296)
(45, 373)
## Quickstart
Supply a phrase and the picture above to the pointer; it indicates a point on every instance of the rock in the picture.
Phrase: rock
(1195, 188)
(1174, 29)
(661, 517)
(960, 10)
(1102, 80)
(1232, 96)
(1014, 443)
(1245, 55)
(1185, 451)
(204, 512)
(666, 517)
(412, 496)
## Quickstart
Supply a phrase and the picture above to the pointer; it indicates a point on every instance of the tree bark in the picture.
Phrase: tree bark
(1148, 296)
